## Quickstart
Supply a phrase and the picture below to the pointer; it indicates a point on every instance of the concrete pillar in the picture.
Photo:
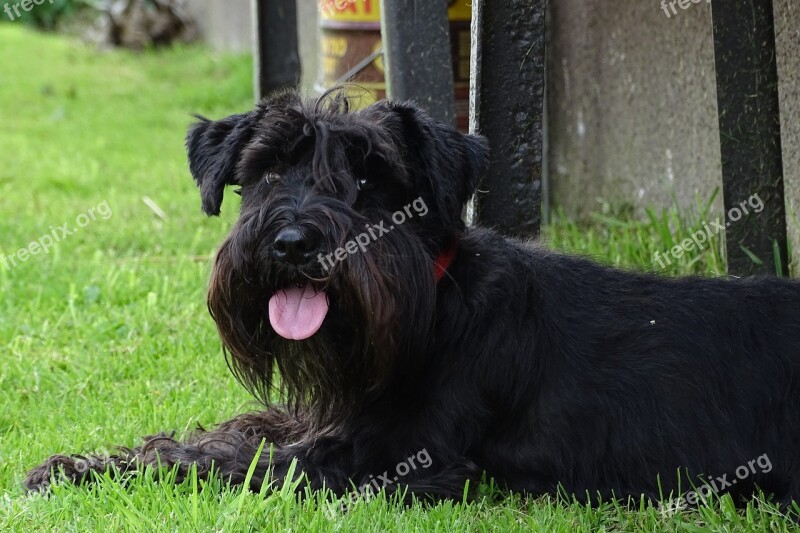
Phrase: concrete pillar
(632, 105)
(225, 24)
(787, 44)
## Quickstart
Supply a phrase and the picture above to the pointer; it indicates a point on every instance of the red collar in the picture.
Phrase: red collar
(444, 260)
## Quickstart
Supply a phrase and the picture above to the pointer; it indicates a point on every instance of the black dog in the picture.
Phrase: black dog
(410, 352)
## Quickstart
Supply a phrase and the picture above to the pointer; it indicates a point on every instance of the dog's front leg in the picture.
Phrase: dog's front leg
(157, 450)
(228, 450)
(447, 482)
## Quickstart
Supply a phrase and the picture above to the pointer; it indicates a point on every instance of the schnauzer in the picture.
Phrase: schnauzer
(438, 354)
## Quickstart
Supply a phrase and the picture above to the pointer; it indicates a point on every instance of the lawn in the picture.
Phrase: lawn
(105, 336)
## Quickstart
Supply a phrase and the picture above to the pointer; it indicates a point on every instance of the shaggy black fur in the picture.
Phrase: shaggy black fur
(536, 368)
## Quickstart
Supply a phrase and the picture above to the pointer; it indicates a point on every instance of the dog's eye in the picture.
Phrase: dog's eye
(270, 178)
(364, 184)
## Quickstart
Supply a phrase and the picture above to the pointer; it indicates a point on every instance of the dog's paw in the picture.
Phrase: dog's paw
(56, 469)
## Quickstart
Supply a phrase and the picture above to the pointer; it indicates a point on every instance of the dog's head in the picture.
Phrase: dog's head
(328, 274)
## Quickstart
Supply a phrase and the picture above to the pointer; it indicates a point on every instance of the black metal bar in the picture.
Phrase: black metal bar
(750, 134)
(418, 57)
(508, 47)
(276, 57)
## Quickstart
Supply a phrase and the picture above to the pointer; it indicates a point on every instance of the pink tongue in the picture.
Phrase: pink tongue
(296, 313)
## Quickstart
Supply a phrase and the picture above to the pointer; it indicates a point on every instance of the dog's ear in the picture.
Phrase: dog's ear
(213, 148)
(452, 162)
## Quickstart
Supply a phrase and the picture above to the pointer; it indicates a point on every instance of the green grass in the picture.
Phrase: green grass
(616, 238)
(106, 337)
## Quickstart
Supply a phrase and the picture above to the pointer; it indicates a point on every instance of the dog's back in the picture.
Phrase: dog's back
(609, 379)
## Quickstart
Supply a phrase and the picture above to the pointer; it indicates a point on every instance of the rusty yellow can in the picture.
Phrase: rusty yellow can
(351, 50)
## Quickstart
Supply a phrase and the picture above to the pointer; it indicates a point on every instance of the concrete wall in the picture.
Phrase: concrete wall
(225, 24)
(308, 37)
(632, 105)
(787, 36)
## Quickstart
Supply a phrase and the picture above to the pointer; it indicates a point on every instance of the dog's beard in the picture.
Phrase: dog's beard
(375, 321)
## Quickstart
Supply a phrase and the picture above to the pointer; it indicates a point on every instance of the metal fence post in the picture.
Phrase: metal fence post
(276, 58)
(418, 57)
(750, 135)
(507, 106)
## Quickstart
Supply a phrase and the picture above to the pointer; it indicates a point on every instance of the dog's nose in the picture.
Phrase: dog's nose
(292, 246)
